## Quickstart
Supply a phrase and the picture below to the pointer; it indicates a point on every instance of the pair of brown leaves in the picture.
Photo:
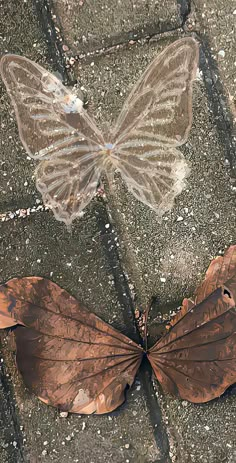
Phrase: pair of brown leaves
(73, 360)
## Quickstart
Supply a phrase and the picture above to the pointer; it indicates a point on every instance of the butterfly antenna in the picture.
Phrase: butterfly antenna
(146, 313)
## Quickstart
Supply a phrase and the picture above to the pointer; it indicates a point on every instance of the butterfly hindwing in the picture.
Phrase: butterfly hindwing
(155, 180)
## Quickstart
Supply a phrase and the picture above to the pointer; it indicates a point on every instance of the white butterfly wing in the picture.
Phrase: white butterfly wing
(68, 187)
(155, 119)
(159, 108)
(155, 181)
(54, 128)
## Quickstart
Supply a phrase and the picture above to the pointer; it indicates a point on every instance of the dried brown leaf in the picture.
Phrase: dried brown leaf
(67, 356)
(220, 270)
(74, 361)
(196, 360)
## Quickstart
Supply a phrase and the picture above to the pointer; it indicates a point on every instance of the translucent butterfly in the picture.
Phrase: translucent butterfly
(56, 129)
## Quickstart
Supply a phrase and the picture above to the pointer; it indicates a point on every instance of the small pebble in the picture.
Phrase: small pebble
(221, 53)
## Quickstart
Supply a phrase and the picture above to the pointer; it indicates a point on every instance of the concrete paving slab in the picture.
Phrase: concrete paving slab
(168, 258)
(94, 24)
(201, 433)
(217, 22)
(79, 262)
(177, 249)
(181, 245)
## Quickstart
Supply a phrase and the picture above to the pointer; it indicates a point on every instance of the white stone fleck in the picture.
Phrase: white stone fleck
(221, 53)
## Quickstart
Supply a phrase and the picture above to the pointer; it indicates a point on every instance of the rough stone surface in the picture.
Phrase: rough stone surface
(87, 26)
(165, 258)
(201, 433)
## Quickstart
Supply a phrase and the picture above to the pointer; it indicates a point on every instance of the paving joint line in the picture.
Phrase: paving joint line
(22, 213)
(185, 10)
(52, 28)
(8, 390)
(126, 300)
(218, 101)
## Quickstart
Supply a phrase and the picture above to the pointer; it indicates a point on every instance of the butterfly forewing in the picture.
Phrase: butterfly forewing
(67, 356)
(43, 106)
(160, 105)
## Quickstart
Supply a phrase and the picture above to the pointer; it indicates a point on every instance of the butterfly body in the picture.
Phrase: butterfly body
(71, 104)
(56, 130)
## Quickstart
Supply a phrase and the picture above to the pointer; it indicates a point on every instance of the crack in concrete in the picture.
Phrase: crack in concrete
(17, 456)
(185, 10)
(44, 11)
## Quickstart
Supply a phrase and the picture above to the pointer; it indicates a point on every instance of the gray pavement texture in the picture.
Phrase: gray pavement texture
(96, 24)
(118, 255)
